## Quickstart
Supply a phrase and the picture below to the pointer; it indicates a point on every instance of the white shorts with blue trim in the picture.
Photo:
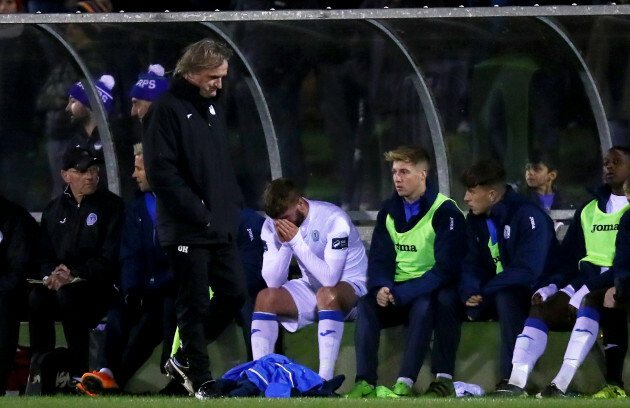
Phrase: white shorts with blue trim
(305, 298)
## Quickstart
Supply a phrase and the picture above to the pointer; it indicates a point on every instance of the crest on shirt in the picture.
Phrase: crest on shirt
(340, 243)
(506, 232)
(91, 219)
(315, 235)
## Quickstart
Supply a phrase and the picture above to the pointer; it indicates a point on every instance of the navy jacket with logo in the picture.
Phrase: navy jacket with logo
(449, 247)
(85, 237)
(187, 159)
(526, 236)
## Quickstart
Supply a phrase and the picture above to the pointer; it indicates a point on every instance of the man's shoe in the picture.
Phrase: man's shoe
(361, 389)
(401, 389)
(610, 391)
(551, 391)
(97, 382)
(174, 389)
(180, 373)
(82, 391)
(507, 390)
(440, 388)
(208, 390)
(384, 392)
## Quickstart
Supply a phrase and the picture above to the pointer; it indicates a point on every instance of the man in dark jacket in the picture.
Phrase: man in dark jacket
(18, 254)
(144, 316)
(188, 165)
(589, 252)
(80, 239)
(417, 248)
(509, 239)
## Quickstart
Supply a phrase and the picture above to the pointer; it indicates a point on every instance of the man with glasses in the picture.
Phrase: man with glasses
(80, 239)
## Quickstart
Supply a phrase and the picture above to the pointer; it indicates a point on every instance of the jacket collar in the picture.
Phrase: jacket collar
(184, 89)
(502, 210)
(396, 209)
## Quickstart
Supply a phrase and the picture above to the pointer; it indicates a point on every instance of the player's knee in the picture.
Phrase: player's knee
(592, 300)
(327, 298)
(265, 301)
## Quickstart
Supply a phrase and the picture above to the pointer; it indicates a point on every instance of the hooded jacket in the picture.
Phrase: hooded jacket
(449, 247)
(188, 165)
(525, 237)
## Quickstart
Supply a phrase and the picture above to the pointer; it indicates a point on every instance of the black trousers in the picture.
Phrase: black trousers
(449, 313)
(80, 306)
(132, 333)
(511, 307)
(418, 316)
(10, 304)
(199, 319)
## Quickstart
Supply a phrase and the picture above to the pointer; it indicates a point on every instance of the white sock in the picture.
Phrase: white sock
(107, 371)
(406, 380)
(583, 337)
(264, 333)
(330, 329)
(530, 345)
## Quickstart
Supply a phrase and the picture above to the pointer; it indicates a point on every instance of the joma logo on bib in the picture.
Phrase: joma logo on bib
(605, 227)
(406, 248)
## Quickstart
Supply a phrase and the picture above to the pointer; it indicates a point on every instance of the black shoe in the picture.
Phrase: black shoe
(208, 390)
(179, 372)
(174, 389)
(551, 391)
(508, 390)
(440, 388)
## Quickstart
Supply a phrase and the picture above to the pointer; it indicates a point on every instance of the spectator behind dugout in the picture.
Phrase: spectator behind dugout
(80, 244)
(11, 6)
(144, 316)
(541, 173)
(149, 87)
(53, 95)
(18, 254)
(83, 119)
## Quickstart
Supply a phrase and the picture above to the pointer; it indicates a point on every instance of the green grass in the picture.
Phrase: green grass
(168, 402)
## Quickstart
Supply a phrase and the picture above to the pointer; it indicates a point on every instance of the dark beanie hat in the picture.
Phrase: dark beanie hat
(104, 87)
(150, 85)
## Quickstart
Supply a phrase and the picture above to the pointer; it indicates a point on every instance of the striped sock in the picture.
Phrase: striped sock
(530, 345)
(330, 329)
(582, 339)
(264, 333)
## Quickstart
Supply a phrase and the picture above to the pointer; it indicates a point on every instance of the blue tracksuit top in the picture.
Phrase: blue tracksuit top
(144, 263)
(448, 249)
(276, 369)
(525, 236)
